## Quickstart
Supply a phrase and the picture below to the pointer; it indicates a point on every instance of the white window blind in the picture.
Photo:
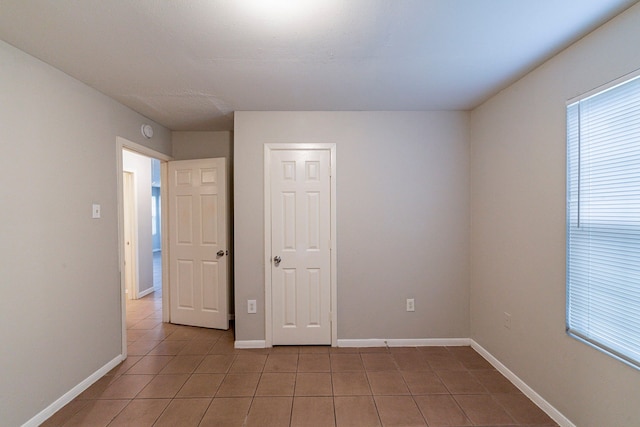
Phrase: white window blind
(603, 220)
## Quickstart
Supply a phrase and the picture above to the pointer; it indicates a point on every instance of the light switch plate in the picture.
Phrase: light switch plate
(251, 306)
(95, 211)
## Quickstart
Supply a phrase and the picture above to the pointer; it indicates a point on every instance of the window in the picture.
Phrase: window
(603, 220)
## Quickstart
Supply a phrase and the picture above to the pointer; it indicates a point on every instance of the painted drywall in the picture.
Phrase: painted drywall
(202, 145)
(60, 300)
(518, 231)
(402, 218)
(140, 166)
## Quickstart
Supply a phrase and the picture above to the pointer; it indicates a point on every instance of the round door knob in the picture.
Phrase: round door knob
(220, 253)
(277, 260)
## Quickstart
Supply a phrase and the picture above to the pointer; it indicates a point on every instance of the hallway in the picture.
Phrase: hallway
(181, 376)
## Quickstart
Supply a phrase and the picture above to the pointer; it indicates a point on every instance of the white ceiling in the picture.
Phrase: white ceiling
(189, 64)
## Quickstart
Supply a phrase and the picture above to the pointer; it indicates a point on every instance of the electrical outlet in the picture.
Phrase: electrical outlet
(411, 304)
(507, 320)
(251, 306)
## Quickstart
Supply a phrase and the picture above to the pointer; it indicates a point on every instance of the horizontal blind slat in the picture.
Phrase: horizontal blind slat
(603, 220)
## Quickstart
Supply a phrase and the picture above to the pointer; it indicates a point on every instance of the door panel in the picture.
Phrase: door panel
(209, 208)
(197, 236)
(300, 236)
(210, 274)
(184, 284)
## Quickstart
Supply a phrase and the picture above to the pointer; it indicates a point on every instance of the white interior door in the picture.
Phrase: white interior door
(300, 246)
(130, 222)
(198, 243)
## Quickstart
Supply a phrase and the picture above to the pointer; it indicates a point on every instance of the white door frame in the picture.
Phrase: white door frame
(125, 144)
(268, 148)
(130, 210)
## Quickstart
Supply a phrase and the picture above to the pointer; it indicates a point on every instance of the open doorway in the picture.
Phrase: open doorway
(140, 224)
(142, 244)
(142, 238)
(209, 180)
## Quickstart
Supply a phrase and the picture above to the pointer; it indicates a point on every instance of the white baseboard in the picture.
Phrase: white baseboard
(556, 415)
(429, 342)
(250, 344)
(47, 412)
(404, 342)
(146, 292)
(373, 342)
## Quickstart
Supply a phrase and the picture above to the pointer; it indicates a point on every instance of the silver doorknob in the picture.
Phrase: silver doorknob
(220, 253)
(277, 260)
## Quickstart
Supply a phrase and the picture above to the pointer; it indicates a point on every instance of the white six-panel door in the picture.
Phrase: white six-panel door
(198, 243)
(300, 247)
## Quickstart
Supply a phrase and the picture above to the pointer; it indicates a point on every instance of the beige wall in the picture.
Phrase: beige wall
(518, 231)
(402, 218)
(60, 312)
(202, 145)
(141, 168)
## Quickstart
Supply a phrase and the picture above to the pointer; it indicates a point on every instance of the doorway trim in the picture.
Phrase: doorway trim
(130, 215)
(125, 144)
(268, 148)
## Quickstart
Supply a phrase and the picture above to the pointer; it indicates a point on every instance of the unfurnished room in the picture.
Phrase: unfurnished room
(320, 213)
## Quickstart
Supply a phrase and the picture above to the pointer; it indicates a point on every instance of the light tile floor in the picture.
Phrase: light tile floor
(183, 376)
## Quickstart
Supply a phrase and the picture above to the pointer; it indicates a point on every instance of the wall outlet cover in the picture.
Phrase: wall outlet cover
(507, 320)
(411, 304)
